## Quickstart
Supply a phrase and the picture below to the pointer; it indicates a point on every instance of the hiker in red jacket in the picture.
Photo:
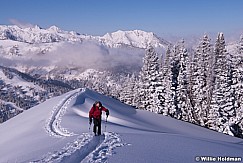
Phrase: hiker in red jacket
(95, 113)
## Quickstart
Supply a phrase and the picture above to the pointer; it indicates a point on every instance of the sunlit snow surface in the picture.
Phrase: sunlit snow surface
(58, 131)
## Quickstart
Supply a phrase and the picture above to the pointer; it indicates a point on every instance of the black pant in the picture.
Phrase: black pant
(97, 124)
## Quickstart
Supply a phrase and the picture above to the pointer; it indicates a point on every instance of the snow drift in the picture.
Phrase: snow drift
(58, 131)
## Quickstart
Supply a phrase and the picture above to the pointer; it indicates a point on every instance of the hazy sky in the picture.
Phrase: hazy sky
(97, 17)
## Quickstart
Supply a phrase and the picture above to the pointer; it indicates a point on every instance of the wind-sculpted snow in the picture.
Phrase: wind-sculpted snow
(53, 126)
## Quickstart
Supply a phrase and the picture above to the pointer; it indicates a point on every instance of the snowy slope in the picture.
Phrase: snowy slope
(19, 82)
(58, 131)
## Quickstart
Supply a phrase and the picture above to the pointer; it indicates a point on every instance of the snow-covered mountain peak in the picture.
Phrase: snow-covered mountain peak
(135, 38)
(54, 29)
(35, 28)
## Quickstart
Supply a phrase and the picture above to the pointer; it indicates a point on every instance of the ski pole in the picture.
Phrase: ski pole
(106, 122)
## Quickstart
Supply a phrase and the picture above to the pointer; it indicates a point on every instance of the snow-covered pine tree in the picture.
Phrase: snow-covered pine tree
(138, 93)
(222, 108)
(115, 86)
(159, 99)
(234, 95)
(237, 128)
(194, 86)
(100, 83)
(167, 82)
(172, 91)
(136, 90)
(184, 106)
(150, 82)
(201, 81)
(127, 92)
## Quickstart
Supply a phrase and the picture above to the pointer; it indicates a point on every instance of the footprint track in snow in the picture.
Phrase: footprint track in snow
(86, 148)
(105, 149)
(52, 126)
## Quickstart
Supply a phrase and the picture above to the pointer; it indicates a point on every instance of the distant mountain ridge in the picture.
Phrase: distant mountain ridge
(37, 34)
(134, 38)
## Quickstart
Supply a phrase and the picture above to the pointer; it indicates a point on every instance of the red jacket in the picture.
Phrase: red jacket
(96, 112)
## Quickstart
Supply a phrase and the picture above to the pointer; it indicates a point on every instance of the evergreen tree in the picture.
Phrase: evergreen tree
(238, 87)
(150, 81)
(184, 107)
(172, 90)
(166, 82)
(127, 93)
(201, 81)
(134, 89)
(115, 88)
(222, 108)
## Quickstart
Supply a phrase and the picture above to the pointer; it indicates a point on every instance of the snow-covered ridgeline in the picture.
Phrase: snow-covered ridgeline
(52, 126)
(85, 148)
(134, 38)
(37, 34)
